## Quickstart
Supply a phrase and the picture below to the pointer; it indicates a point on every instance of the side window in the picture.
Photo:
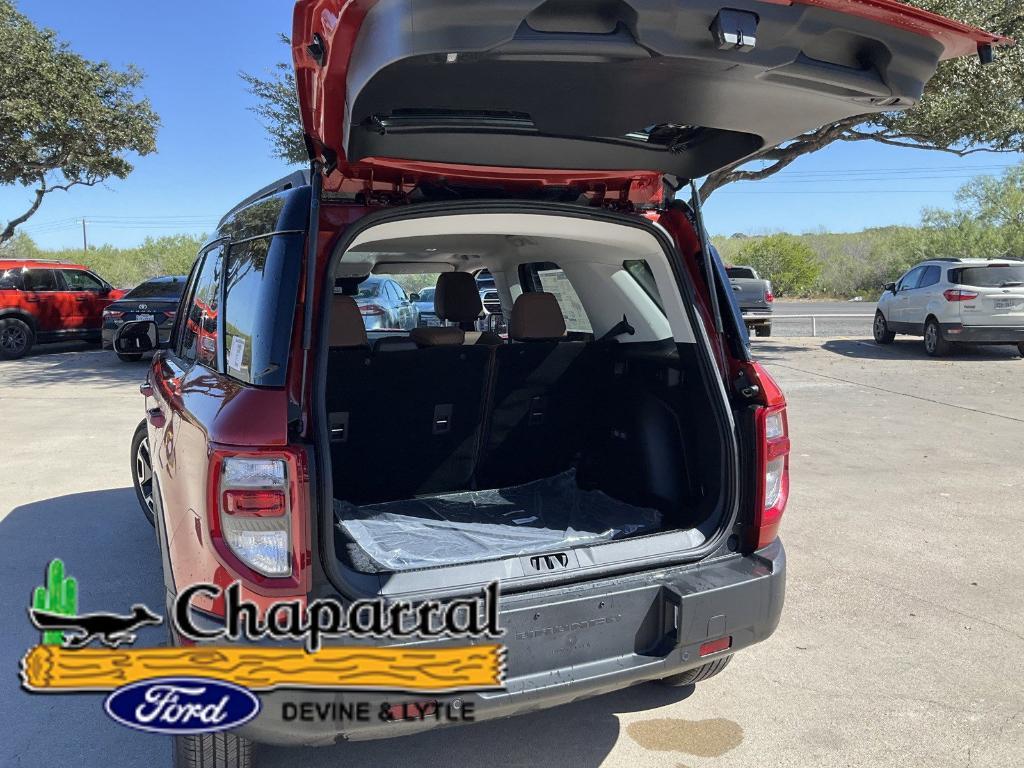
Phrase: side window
(400, 292)
(40, 280)
(910, 282)
(10, 279)
(550, 278)
(261, 277)
(930, 277)
(640, 271)
(199, 339)
(77, 280)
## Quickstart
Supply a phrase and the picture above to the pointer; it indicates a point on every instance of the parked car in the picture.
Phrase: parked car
(385, 305)
(424, 301)
(755, 298)
(639, 459)
(955, 301)
(46, 301)
(156, 299)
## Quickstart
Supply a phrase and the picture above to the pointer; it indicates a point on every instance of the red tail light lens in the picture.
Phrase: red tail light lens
(769, 296)
(771, 425)
(244, 503)
(955, 294)
(112, 313)
(371, 309)
(171, 314)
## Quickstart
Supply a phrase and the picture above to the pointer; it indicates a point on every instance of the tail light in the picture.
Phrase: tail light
(769, 296)
(255, 514)
(955, 294)
(773, 448)
(170, 314)
(112, 313)
(371, 309)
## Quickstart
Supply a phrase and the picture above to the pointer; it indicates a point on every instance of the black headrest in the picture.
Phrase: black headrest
(457, 298)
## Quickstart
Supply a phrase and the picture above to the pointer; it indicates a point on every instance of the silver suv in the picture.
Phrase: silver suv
(955, 301)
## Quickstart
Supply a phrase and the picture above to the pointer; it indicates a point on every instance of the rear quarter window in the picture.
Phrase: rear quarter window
(259, 307)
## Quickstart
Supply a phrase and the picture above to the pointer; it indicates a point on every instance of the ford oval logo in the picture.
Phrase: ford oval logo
(182, 705)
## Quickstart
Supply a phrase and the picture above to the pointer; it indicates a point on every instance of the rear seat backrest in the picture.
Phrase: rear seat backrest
(542, 397)
(405, 420)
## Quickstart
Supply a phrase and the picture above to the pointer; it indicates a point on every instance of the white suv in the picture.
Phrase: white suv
(975, 301)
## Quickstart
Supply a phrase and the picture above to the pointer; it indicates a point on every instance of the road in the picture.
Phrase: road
(839, 326)
(901, 640)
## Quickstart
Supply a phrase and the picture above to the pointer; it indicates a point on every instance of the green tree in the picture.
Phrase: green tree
(787, 261)
(966, 108)
(65, 121)
(277, 105)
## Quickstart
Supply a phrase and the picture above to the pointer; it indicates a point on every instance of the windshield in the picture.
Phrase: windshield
(995, 276)
(169, 288)
(427, 295)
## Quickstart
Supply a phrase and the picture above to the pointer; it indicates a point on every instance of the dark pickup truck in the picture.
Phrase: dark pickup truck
(755, 298)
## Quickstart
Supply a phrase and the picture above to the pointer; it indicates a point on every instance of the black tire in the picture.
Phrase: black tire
(763, 330)
(16, 338)
(698, 675)
(213, 750)
(934, 344)
(142, 476)
(1020, 348)
(881, 331)
(131, 357)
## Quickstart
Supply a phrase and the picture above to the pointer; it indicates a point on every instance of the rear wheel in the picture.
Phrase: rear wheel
(699, 674)
(131, 357)
(763, 330)
(881, 330)
(16, 338)
(213, 750)
(142, 470)
(934, 344)
(1020, 348)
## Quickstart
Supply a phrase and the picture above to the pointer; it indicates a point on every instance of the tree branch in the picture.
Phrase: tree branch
(16, 222)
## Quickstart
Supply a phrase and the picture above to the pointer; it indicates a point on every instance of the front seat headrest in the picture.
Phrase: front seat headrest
(346, 325)
(457, 298)
(536, 317)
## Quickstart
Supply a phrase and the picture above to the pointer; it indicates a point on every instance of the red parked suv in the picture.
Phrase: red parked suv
(619, 462)
(43, 301)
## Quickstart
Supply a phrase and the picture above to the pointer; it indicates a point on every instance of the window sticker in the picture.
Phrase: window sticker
(554, 281)
(236, 354)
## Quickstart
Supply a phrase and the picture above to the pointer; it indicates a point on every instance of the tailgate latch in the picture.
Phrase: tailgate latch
(735, 30)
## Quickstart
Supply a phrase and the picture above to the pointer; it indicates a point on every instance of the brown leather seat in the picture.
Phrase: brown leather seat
(346, 329)
(536, 317)
(457, 300)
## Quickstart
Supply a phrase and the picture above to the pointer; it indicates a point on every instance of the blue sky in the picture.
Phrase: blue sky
(212, 151)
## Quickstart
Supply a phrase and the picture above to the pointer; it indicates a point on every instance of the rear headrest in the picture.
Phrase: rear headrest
(457, 298)
(346, 329)
(438, 337)
(536, 317)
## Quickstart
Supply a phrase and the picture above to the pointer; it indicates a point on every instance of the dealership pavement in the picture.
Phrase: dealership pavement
(902, 641)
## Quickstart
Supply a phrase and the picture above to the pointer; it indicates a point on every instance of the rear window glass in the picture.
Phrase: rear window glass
(259, 304)
(989, 277)
(740, 273)
(153, 288)
(369, 289)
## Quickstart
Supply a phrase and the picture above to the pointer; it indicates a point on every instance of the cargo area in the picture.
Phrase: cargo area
(586, 425)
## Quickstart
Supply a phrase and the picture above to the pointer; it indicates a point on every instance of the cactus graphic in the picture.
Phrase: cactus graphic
(60, 595)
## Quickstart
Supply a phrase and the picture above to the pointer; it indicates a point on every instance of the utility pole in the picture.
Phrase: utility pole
(85, 239)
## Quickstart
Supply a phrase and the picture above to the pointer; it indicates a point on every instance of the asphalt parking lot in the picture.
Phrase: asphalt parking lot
(902, 640)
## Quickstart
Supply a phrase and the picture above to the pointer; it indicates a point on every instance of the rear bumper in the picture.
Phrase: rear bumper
(574, 642)
(983, 334)
(757, 317)
(164, 332)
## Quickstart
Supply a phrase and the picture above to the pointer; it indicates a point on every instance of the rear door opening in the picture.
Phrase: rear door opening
(596, 437)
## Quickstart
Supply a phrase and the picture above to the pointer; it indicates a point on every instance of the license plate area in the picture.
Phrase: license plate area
(1010, 305)
(145, 316)
(642, 621)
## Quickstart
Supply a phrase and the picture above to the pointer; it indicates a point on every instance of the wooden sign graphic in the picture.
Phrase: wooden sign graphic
(50, 668)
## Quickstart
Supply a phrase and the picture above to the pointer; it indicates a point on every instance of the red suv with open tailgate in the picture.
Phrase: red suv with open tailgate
(618, 462)
(43, 301)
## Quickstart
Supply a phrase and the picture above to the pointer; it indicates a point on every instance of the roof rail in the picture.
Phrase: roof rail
(292, 180)
(947, 259)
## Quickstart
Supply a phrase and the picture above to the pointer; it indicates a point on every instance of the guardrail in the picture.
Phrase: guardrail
(814, 319)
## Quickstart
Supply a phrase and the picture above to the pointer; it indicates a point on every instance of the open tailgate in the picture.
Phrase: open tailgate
(681, 88)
